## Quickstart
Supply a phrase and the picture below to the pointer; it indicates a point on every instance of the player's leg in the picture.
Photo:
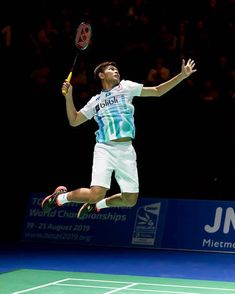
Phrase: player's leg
(122, 200)
(126, 175)
(101, 178)
(60, 196)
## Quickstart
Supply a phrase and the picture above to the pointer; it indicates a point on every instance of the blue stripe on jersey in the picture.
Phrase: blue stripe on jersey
(113, 111)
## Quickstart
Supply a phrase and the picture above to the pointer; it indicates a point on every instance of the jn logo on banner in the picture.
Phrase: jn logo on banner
(229, 220)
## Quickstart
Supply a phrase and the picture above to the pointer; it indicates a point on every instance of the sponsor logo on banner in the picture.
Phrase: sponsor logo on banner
(146, 223)
(224, 223)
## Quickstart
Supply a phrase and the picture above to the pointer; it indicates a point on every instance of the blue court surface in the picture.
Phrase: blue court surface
(53, 268)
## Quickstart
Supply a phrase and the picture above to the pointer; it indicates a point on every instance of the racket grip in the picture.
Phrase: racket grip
(64, 91)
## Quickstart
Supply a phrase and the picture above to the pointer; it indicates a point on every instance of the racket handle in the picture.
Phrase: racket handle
(64, 92)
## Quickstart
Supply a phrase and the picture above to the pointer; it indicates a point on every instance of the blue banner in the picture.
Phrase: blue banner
(200, 225)
(153, 223)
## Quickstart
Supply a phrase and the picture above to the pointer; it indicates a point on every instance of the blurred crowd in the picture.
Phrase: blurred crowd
(146, 38)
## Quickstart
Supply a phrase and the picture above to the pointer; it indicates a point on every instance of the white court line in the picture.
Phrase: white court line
(123, 288)
(160, 285)
(42, 286)
(102, 281)
(156, 291)
(115, 289)
(86, 286)
(130, 284)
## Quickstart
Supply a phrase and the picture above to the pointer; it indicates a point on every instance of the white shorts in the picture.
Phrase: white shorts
(117, 157)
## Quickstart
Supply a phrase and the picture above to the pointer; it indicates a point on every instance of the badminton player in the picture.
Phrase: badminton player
(113, 110)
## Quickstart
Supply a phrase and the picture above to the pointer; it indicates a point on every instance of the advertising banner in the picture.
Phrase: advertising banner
(205, 225)
(176, 224)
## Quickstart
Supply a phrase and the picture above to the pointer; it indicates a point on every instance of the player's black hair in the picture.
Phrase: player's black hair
(101, 68)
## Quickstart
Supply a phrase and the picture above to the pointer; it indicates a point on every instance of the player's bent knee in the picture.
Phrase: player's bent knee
(130, 199)
(98, 193)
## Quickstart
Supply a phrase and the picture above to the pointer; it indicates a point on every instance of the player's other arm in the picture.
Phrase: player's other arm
(186, 70)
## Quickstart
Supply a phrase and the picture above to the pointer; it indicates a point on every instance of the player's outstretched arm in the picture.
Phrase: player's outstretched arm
(187, 68)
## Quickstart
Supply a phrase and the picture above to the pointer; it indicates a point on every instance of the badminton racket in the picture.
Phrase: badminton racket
(82, 40)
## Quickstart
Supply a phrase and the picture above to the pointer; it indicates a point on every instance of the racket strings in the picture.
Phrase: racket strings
(83, 36)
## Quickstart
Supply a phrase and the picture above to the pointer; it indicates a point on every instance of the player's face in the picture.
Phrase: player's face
(111, 73)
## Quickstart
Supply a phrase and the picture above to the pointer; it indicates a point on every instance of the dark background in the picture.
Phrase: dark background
(185, 140)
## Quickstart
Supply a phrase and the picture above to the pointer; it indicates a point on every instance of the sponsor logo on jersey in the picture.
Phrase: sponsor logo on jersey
(106, 103)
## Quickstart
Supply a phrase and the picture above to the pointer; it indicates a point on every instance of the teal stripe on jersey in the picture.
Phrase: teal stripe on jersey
(115, 120)
(113, 111)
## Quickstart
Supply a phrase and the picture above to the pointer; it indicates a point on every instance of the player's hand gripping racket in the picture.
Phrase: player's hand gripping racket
(82, 40)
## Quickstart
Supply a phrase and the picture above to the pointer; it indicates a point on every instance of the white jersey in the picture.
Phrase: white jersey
(113, 111)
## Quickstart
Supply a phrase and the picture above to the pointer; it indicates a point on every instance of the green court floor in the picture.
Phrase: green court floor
(59, 282)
